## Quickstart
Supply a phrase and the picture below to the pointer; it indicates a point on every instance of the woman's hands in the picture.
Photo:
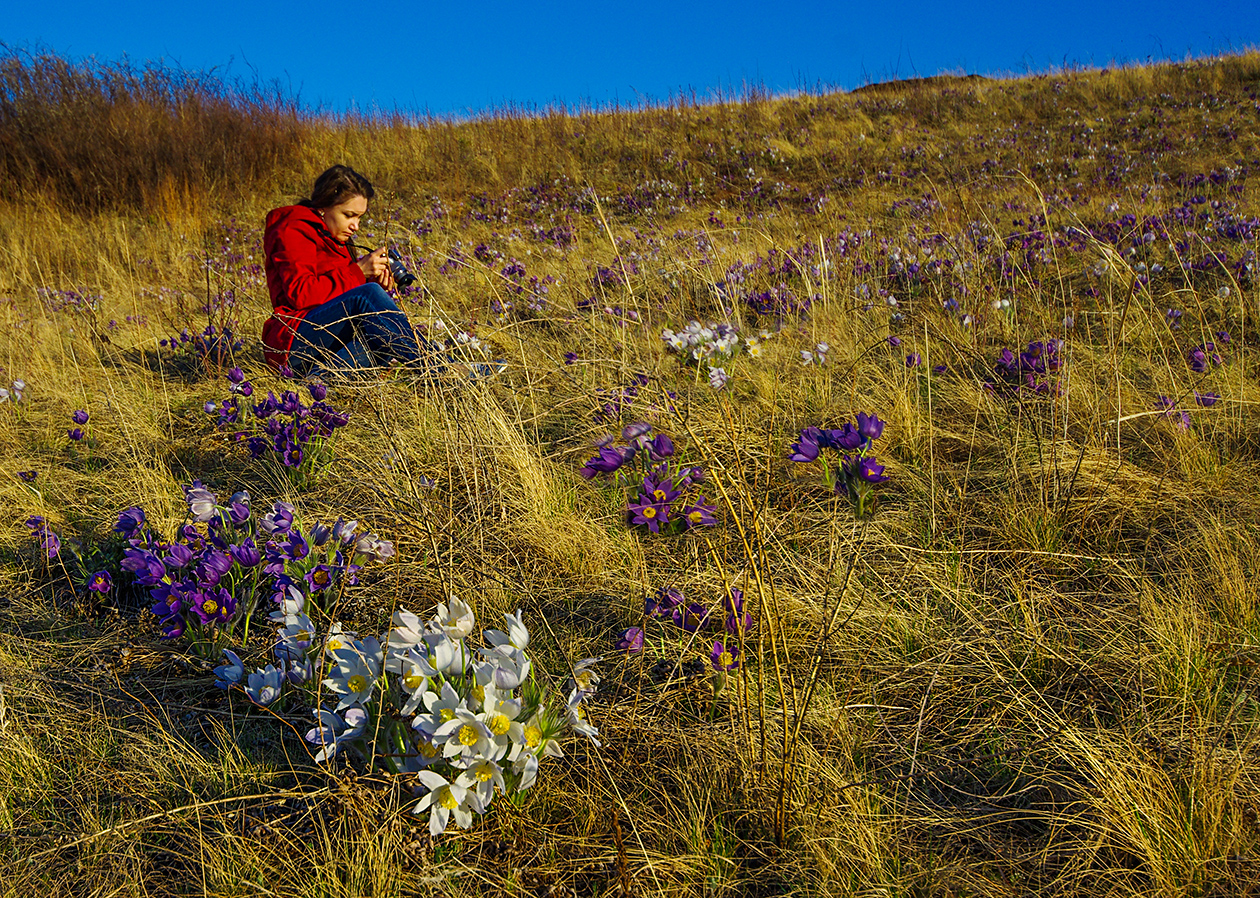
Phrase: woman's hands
(375, 267)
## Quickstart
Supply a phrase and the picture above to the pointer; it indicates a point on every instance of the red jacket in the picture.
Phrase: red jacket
(306, 267)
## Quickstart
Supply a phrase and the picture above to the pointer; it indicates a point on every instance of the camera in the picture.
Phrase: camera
(402, 277)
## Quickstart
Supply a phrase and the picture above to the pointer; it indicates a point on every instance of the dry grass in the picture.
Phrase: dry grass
(1041, 677)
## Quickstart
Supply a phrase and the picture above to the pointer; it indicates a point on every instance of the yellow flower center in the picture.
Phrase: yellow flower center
(447, 714)
(357, 683)
(696, 517)
(725, 659)
(499, 724)
(334, 644)
(649, 512)
(583, 680)
(533, 736)
(447, 799)
(658, 495)
(413, 681)
(210, 606)
(484, 773)
(320, 578)
(468, 734)
(428, 749)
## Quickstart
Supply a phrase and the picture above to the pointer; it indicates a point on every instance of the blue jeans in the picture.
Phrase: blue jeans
(361, 328)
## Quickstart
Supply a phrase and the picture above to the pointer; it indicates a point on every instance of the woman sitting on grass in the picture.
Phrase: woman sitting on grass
(330, 309)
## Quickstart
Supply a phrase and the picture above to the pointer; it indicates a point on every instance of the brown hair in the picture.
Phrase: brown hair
(336, 185)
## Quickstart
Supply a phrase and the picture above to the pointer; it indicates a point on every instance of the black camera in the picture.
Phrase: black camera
(402, 277)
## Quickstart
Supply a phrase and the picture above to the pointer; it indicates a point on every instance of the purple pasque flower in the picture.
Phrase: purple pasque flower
(609, 459)
(213, 566)
(101, 582)
(213, 605)
(725, 656)
(699, 514)
(320, 577)
(1207, 400)
(318, 392)
(660, 447)
(238, 508)
(807, 447)
(869, 426)
(27, 476)
(290, 403)
(50, 542)
(630, 641)
(865, 468)
(79, 417)
(636, 434)
(733, 602)
(319, 534)
(894, 341)
(144, 566)
(914, 360)
(246, 554)
(278, 520)
(662, 604)
(691, 616)
(177, 556)
(236, 375)
(130, 522)
(846, 438)
(75, 434)
(343, 531)
(649, 513)
(295, 548)
(718, 378)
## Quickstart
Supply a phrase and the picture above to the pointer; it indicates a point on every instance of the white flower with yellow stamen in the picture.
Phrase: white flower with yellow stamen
(482, 777)
(511, 665)
(584, 677)
(413, 680)
(576, 716)
(445, 800)
(458, 621)
(358, 668)
(499, 711)
(338, 640)
(466, 737)
(441, 707)
(436, 655)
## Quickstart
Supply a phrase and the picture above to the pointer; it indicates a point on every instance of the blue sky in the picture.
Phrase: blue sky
(463, 59)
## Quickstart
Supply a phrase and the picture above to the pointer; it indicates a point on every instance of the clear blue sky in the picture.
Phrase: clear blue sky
(464, 58)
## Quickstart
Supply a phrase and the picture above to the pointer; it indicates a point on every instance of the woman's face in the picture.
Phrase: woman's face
(342, 220)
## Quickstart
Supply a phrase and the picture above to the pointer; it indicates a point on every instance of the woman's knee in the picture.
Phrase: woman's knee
(374, 296)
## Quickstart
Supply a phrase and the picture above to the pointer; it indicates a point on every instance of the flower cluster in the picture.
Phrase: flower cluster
(13, 393)
(467, 722)
(287, 429)
(1030, 369)
(857, 472)
(214, 343)
(79, 418)
(1203, 357)
(49, 541)
(663, 501)
(212, 574)
(698, 343)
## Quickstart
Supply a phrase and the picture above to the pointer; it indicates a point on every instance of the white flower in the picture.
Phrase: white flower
(292, 603)
(358, 668)
(754, 347)
(525, 766)
(516, 634)
(407, 633)
(718, 378)
(577, 717)
(511, 666)
(295, 638)
(482, 778)
(441, 707)
(333, 730)
(338, 640)
(445, 800)
(458, 621)
(807, 358)
(413, 680)
(264, 685)
(584, 677)
(466, 737)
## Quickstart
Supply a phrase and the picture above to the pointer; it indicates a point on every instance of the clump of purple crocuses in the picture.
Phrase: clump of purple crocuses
(214, 344)
(666, 496)
(285, 428)
(1030, 370)
(854, 471)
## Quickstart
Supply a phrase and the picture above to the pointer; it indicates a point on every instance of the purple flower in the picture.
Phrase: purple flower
(608, 460)
(630, 641)
(667, 598)
(635, 434)
(210, 407)
(319, 577)
(27, 476)
(649, 513)
(79, 417)
(177, 556)
(869, 426)
(806, 448)
(894, 342)
(1207, 400)
(914, 360)
(845, 438)
(278, 520)
(700, 514)
(691, 617)
(75, 434)
(867, 468)
(236, 375)
(146, 567)
(238, 509)
(725, 656)
(213, 606)
(100, 582)
(295, 548)
(318, 392)
(661, 447)
(201, 502)
(213, 566)
(246, 554)
(734, 601)
(570, 358)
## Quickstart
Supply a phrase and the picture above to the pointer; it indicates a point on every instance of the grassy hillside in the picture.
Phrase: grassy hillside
(1029, 669)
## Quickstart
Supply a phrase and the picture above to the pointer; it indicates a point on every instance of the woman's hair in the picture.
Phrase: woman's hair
(336, 185)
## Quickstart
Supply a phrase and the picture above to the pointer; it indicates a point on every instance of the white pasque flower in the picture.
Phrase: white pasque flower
(511, 665)
(231, 672)
(441, 707)
(466, 737)
(413, 679)
(338, 641)
(516, 635)
(358, 668)
(295, 638)
(445, 800)
(482, 777)
(437, 655)
(458, 621)
(332, 730)
(407, 633)
(577, 717)
(584, 677)
(263, 686)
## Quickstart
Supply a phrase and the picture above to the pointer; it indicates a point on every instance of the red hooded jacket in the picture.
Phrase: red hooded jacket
(306, 267)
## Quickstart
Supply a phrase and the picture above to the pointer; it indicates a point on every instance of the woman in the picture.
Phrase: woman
(330, 309)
